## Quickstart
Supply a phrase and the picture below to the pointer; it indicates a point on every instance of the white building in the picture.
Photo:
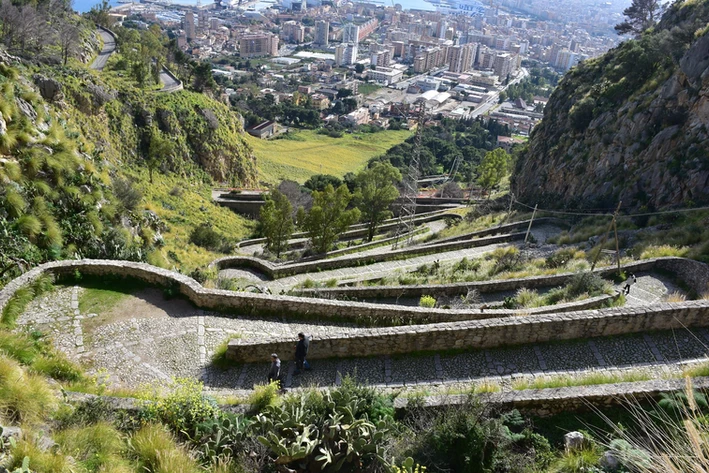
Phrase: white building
(385, 75)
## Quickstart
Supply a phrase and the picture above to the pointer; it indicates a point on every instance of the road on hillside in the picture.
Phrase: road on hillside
(492, 101)
(109, 47)
(168, 82)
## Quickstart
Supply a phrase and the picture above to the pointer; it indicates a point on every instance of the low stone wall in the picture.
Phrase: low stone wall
(547, 402)
(488, 333)
(535, 402)
(359, 230)
(506, 228)
(247, 303)
(695, 278)
(276, 271)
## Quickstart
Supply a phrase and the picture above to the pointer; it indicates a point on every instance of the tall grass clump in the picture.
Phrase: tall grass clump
(24, 397)
(654, 251)
(97, 447)
(157, 451)
(672, 436)
(264, 395)
(39, 460)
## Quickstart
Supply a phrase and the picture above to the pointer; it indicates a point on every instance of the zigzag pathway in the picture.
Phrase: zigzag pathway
(385, 268)
(146, 338)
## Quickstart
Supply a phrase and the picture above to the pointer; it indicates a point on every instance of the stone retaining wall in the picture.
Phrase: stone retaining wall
(538, 402)
(247, 303)
(693, 273)
(506, 228)
(551, 401)
(276, 271)
(359, 230)
(487, 333)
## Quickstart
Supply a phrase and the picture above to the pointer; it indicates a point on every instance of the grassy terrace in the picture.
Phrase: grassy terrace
(304, 153)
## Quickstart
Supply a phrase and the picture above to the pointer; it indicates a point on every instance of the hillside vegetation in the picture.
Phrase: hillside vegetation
(93, 166)
(630, 125)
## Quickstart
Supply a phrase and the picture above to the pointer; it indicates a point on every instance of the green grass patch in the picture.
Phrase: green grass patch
(100, 296)
(312, 153)
(366, 89)
(185, 205)
(590, 379)
(23, 296)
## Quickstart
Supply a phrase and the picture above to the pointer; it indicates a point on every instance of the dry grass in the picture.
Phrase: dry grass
(673, 438)
(675, 297)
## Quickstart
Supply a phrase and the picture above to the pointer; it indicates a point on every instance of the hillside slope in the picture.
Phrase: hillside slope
(76, 147)
(630, 125)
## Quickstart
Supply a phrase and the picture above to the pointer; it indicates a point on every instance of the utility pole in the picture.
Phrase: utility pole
(407, 210)
(605, 237)
(529, 228)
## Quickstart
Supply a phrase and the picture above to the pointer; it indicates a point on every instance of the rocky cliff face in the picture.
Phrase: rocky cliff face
(630, 125)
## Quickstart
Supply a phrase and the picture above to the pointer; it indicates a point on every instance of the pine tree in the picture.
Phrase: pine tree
(641, 15)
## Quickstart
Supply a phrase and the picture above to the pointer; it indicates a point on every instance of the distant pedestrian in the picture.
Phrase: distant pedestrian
(629, 282)
(274, 374)
(301, 350)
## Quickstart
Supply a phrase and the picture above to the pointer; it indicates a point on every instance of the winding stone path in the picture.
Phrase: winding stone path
(385, 268)
(160, 340)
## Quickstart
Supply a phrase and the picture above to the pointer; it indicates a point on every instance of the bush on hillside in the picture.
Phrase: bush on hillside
(207, 237)
(126, 193)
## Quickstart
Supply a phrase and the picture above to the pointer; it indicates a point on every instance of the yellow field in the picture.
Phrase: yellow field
(308, 153)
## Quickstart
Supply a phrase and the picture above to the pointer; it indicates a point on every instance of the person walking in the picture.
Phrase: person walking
(629, 282)
(301, 349)
(274, 374)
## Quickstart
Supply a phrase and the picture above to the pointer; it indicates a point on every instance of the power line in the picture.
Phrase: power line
(599, 214)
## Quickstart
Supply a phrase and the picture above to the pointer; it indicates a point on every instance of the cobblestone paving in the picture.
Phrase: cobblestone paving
(378, 270)
(147, 348)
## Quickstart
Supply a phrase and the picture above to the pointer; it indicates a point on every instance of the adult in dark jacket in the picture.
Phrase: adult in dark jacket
(274, 374)
(301, 349)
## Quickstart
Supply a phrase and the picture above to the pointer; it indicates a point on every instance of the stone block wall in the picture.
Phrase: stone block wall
(547, 402)
(282, 270)
(488, 333)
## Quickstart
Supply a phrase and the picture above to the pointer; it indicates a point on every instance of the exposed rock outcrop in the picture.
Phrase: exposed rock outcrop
(631, 125)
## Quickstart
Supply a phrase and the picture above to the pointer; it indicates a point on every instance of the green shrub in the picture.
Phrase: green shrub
(205, 236)
(587, 283)
(560, 257)
(126, 192)
(182, 408)
(427, 301)
(264, 395)
(528, 298)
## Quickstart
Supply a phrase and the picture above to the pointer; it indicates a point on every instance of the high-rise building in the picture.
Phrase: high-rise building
(188, 26)
(203, 19)
(462, 57)
(262, 44)
(350, 34)
(502, 66)
(380, 58)
(322, 32)
(293, 32)
(346, 54)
